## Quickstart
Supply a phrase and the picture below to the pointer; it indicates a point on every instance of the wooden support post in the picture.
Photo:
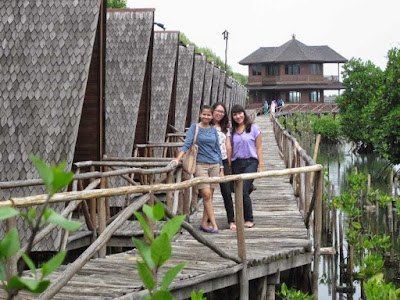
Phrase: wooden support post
(170, 178)
(394, 196)
(272, 281)
(307, 190)
(377, 214)
(390, 217)
(318, 190)
(92, 202)
(107, 199)
(11, 262)
(368, 203)
(101, 211)
(244, 282)
(297, 181)
(316, 149)
(176, 192)
(186, 196)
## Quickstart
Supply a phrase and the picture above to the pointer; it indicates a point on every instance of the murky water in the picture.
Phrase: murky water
(339, 161)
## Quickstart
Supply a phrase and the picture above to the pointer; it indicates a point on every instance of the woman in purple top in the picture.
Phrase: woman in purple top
(247, 155)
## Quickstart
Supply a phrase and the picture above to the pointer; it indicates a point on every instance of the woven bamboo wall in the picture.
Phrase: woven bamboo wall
(46, 52)
(128, 40)
(184, 79)
(163, 72)
(199, 71)
(215, 84)
(221, 86)
(208, 79)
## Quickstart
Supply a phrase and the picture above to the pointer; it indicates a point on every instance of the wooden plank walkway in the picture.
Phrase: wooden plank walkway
(277, 242)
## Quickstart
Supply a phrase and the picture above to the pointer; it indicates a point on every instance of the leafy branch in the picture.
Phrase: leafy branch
(54, 179)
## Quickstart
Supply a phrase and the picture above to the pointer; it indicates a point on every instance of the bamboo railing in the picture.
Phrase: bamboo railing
(307, 188)
(148, 190)
(95, 205)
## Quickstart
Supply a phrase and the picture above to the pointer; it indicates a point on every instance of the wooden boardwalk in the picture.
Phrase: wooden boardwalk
(277, 242)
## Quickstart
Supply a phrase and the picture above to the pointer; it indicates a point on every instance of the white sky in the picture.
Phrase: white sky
(363, 29)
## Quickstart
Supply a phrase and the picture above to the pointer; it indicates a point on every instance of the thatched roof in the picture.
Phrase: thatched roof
(293, 51)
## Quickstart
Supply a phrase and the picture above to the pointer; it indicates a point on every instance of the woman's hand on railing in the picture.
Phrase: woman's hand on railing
(175, 161)
(260, 168)
(221, 172)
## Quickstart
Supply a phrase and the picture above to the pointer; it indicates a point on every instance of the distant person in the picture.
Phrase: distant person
(247, 155)
(273, 107)
(208, 163)
(265, 107)
(280, 105)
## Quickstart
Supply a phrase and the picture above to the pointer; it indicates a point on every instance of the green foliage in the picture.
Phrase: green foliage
(397, 205)
(327, 127)
(116, 3)
(386, 136)
(199, 296)
(377, 288)
(357, 104)
(370, 105)
(371, 265)
(211, 56)
(291, 294)
(54, 179)
(157, 251)
(375, 242)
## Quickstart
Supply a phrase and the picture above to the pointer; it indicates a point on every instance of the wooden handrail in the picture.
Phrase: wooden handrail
(309, 206)
(119, 191)
(90, 175)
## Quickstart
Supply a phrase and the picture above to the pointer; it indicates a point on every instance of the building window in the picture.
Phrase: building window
(273, 69)
(294, 96)
(293, 69)
(256, 70)
(315, 96)
(314, 69)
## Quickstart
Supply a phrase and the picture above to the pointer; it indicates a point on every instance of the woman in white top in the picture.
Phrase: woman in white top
(221, 123)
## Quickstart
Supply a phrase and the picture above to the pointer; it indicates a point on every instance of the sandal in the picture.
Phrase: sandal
(249, 225)
(232, 226)
(208, 230)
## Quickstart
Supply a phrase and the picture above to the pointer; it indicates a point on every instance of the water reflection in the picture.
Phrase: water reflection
(339, 160)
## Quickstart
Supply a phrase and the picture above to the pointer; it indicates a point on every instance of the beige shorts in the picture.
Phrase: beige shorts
(207, 170)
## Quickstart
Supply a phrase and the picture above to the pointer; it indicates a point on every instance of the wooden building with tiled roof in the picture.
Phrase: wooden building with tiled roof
(293, 72)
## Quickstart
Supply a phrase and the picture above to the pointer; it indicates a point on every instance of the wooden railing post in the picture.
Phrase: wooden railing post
(92, 203)
(101, 215)
(318, 190)
(170, 178)
(186, 196)
(11, 263)
(244, 282)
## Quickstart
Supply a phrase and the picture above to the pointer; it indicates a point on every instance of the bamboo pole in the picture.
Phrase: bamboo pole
(11, 262)
(99, 243)
(390, 217)
(186, 196)
(316, 150)
(170, 178)
(318, 190)
(244, 282)
(377, 214)
(92, 203)
(118, 191)
(101, 215)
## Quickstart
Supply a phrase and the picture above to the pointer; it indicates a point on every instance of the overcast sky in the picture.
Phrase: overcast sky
(363, 29)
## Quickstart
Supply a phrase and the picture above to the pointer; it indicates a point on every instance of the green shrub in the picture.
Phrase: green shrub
(327, 127)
